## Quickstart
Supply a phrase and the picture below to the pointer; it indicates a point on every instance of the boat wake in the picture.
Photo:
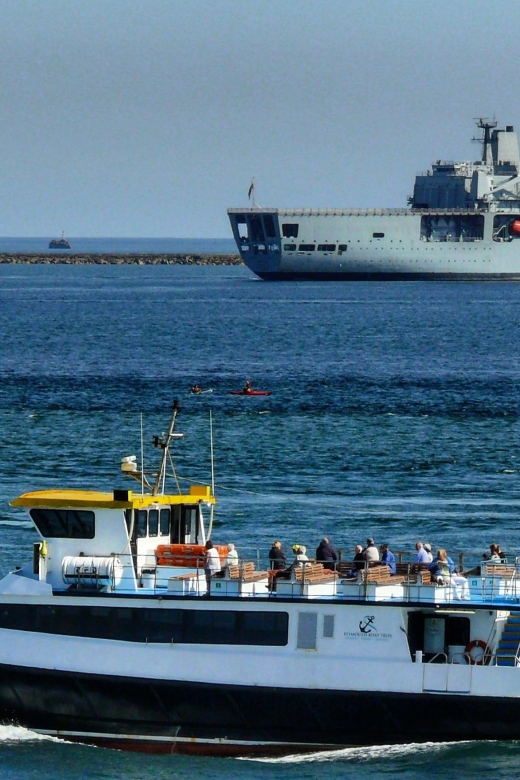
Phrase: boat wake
(20, 734)
(364, 754)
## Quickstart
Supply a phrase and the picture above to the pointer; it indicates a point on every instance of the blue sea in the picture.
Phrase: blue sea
(395, 413)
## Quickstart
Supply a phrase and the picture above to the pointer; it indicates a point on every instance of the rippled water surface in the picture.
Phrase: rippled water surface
(395, 413)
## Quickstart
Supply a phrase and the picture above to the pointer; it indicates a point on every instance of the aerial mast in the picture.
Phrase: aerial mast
(486, 126)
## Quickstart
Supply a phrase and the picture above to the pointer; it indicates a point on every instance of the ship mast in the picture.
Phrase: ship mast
(486, 126)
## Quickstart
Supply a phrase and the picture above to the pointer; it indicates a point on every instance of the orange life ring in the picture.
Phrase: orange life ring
(478, 659)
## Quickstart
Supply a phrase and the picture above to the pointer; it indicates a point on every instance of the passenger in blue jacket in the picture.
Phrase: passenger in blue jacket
(388, 558)
(442, 567)
(327, 554)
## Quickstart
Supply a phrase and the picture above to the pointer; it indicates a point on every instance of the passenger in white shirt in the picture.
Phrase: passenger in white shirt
(211, 564)
(422, 556)
(232, 556)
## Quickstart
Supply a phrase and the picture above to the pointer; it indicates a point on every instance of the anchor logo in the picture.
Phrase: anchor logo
(367, 627)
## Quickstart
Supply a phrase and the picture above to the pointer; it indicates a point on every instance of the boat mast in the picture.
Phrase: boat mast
(164, 445)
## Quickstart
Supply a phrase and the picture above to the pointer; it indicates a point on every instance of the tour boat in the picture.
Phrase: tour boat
(109, 636)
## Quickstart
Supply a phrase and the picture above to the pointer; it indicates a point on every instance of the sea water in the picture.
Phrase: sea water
(395, 413)
(115, 245)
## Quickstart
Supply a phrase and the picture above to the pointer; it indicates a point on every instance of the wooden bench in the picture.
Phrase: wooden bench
(380, 575)
(414, 573)
(245, 572)
(504, 570)
(315, 574)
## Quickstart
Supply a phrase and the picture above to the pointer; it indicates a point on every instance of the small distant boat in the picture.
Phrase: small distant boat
(59, 243)
(250, 392)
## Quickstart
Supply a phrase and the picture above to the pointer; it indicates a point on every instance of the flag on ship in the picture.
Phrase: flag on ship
(251, 189)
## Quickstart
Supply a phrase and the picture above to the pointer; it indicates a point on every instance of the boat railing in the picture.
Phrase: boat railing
(478, 580)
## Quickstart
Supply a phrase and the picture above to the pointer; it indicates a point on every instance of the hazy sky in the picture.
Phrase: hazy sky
(149, 117)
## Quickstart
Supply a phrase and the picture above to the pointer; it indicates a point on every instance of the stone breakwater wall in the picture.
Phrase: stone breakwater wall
(119, 259)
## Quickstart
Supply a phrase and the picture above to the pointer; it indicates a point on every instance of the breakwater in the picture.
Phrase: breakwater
(119, 259)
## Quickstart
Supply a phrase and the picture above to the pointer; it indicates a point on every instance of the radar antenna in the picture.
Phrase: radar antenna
(486, 125)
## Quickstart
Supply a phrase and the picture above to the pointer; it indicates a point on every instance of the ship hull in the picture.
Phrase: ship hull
(377, 276)
(377, 245)
(180, 717)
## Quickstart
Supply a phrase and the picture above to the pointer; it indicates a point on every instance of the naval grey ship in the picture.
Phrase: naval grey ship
(462, 223)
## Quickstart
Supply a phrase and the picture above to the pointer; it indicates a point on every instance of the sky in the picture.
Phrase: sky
(150, 117)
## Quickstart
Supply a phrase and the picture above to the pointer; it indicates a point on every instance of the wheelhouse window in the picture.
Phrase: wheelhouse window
(141, 523)
(153, 522)
(290, 229)
(164, 522)
(378, 235)
(64, 523)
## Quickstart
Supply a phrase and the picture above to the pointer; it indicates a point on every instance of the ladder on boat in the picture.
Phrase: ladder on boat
(507, 653)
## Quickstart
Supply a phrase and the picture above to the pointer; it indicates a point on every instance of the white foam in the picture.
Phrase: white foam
(362, 754)
(21, 734)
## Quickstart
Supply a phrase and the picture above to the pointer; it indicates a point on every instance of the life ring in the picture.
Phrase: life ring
(478, 658)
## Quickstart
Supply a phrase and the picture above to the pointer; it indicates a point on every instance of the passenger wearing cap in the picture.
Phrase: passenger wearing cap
(371, 553)
(300, 560)
(428, 550)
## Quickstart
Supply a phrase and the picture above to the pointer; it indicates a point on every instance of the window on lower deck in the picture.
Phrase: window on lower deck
(307, 247)
(146, 624)
(326, 247)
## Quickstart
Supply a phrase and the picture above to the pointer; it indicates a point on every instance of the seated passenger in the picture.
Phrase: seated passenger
(422, 555)
(442, 567)
(300, 560)
(371, 553)
(231, 557)
(494, 556)
(359, 562)
(277, 558)
(326, 554)
(388, 558)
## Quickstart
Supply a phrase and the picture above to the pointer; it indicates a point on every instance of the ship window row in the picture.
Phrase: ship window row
(127, 624)
(64, 523)
(312, 247)
(178, 523)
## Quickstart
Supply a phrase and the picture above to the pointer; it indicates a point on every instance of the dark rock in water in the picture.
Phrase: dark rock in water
(59, 243)
(120, 259)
